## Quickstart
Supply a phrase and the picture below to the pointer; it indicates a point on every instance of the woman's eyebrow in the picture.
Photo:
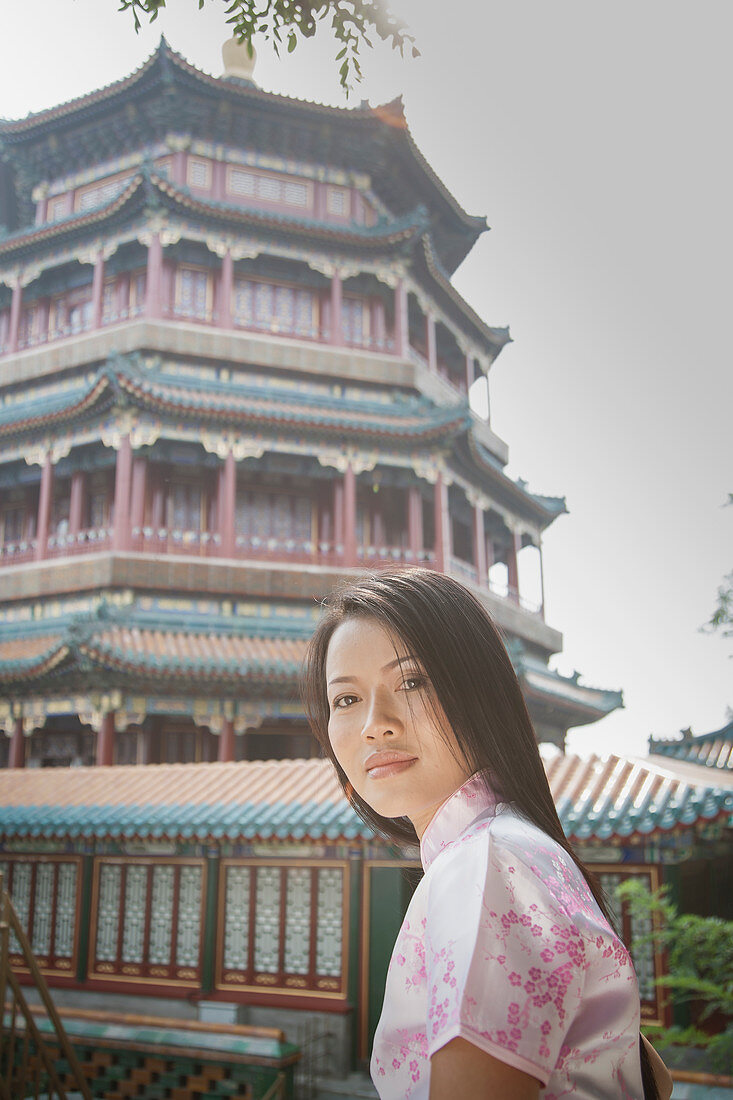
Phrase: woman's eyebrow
(342, 680)
(398, 661)
(384, 668)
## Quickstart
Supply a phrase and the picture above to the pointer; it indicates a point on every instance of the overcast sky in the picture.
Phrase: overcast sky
(595, 137)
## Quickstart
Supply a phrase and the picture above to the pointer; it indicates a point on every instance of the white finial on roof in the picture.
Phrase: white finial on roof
(237, 62)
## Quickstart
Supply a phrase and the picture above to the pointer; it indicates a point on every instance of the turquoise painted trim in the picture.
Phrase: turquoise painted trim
(240, 821)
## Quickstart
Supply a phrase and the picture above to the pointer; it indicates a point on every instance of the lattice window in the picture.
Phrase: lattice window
(189, 917)
(44, 892)
(290, 933)
(236, 934)
(148, 919)
(268, 188)
(276, 308)
(136, 896)
(58, 207)
(20, 895)
(242, 182)
(193, 293)
(137, 293)
(274, 516)
(199, 173)
(66, 909)
(298, 920)
(161, 927)
(12, 523)
(295, 194)
(72, 313)
(110, 302)
(337, 201)
(646, 964)
(267, 919)
(108, 912)
(98, 194)
(185, 506)
(42, 909)
(355, 320)
(30, 327)
(330, 928)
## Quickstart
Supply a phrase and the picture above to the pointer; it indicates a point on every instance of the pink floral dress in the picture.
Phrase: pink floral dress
(503, 944)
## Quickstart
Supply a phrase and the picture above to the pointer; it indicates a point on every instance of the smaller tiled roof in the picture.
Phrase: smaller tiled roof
(26, 657)
(607, 797)
(166, 654)
(713, 750)
(597, 799)
(252, 800)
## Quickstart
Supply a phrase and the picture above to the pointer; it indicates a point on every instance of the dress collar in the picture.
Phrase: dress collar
(453, 817)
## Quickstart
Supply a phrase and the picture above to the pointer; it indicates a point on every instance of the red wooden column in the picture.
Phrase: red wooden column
(76, 502)
(226, 290)
(401, 330)
(106, 740)
(430, 342)
(469, 372)
(338, 514)
(490, 557)
(98, 290)
(226, 742)
(512, 567)
(15, 308)
(414, 522)
(16, 756)
(44, 509)
(123, 477)
(542, 579)
(157, 508)
(337, 332)
(479, 545)
(442, 525)
(178, 171)
(350, 557)
(228, 498)
(154, 277)
(137, 501)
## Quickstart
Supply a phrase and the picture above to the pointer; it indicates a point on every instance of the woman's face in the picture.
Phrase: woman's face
(386, 728)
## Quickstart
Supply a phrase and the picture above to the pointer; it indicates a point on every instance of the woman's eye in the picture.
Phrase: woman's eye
(412, 683)
(343, 701)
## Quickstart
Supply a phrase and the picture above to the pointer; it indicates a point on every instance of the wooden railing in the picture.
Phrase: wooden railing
(27, 1068)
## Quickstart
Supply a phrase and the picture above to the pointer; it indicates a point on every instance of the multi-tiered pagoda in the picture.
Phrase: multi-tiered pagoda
(233, 369)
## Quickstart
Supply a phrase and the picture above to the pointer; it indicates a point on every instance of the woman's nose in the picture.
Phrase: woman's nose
(381, 721)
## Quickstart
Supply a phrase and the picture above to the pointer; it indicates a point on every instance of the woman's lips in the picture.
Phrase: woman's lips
(383, 764)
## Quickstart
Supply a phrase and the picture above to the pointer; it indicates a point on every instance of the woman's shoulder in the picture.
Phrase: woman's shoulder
(508, 855)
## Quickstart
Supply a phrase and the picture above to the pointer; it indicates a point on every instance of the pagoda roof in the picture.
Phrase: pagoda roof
(711, 750)
(562, 695)
(406, 235)
(401, 421)
(167, 94)
(514, 493)
(600, 799)
(146, 188)
(247, 406)
(217, 654)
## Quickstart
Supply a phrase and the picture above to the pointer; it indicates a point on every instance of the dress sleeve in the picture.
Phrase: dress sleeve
(505, 963)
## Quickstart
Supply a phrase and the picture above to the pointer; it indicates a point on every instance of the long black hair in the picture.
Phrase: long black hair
(464, 658)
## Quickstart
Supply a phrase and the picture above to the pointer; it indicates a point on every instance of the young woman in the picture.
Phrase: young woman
(507, 981)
